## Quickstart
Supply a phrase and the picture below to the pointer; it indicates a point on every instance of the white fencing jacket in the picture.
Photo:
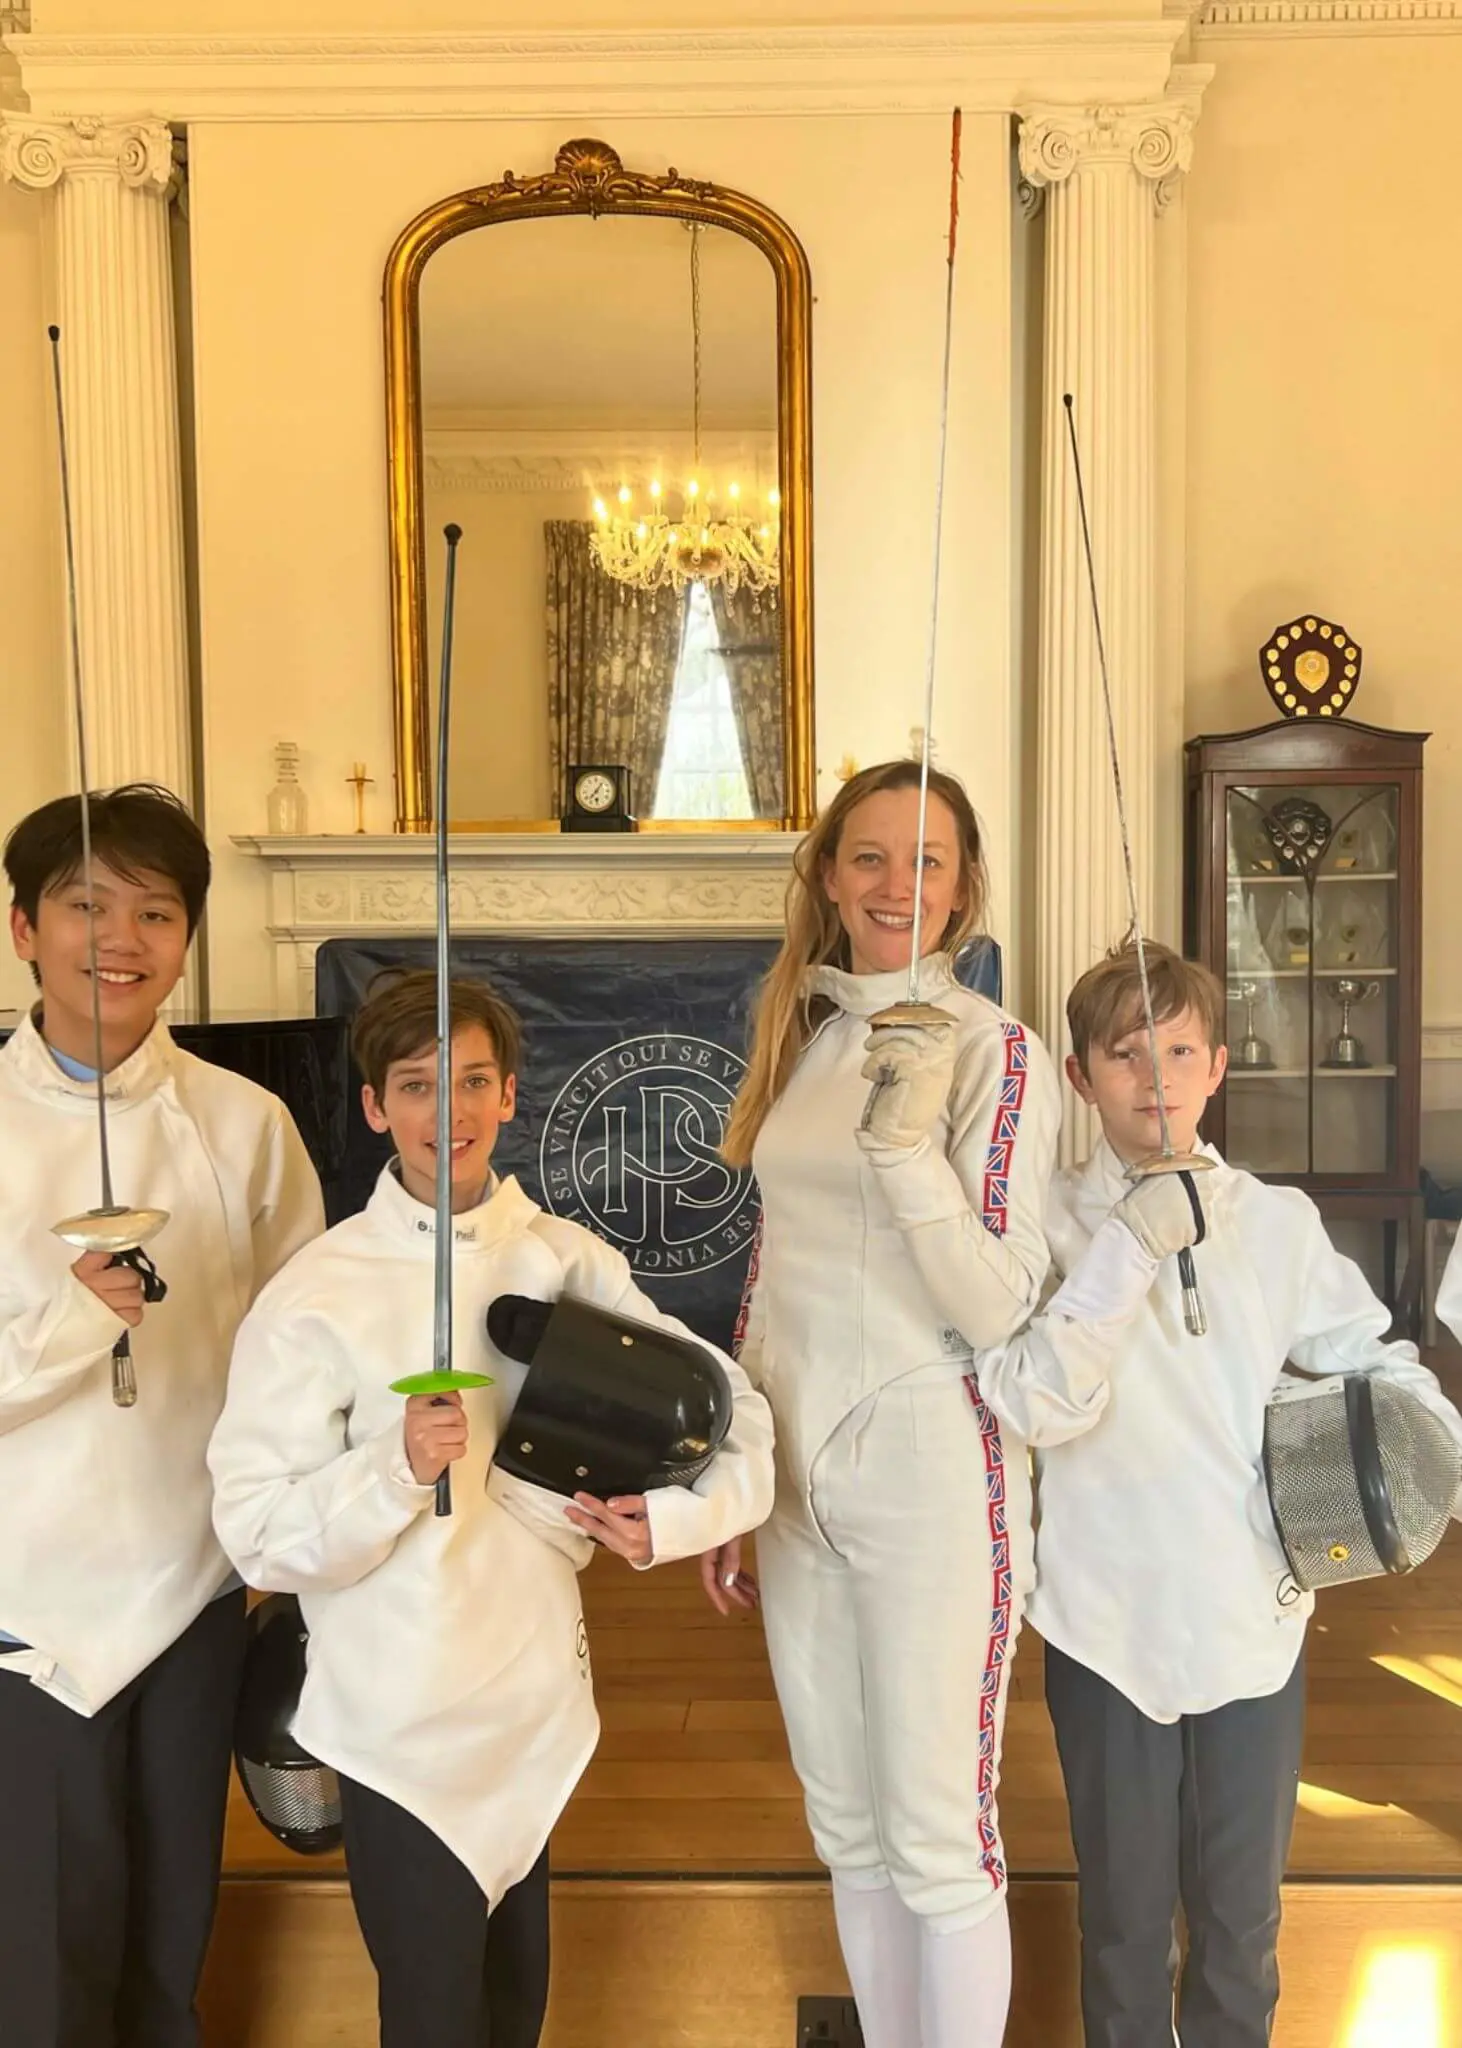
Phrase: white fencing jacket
(107, 1550)
(1157, 1561)
(871, 1268)
(1449, 1293)
(448, 1668)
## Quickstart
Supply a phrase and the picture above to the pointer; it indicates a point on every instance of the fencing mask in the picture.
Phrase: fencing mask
(1362, 1477)
(610, 1406)
(295, 1796)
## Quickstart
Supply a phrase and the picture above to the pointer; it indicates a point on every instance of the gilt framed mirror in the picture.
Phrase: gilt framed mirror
(611, 395)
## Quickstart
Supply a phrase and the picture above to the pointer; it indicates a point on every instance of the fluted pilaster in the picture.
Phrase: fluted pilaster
(1106, 172)
(114, 305)
(112, 181)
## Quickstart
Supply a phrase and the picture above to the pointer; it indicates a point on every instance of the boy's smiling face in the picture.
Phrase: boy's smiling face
(482, 1102)
(141, 927)
(1118, 1083)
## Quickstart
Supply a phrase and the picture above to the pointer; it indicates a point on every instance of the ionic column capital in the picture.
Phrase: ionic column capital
(38, 153)
(1153, 139)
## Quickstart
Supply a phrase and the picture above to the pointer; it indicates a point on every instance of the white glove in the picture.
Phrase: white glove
(1111, 1279)
(1165, 1213)
(911, 1069)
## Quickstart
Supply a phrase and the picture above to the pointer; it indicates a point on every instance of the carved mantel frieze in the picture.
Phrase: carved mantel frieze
(543, 884)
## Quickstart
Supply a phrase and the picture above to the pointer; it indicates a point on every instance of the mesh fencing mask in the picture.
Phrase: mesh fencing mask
(1362, 1477)
(295, 1796)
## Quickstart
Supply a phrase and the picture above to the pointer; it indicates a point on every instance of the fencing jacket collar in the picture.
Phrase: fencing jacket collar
(139, 1074)
(504, 1208)
(863, 995)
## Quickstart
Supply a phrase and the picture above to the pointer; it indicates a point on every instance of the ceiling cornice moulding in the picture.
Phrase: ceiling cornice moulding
(1245, 18)
(989, 66)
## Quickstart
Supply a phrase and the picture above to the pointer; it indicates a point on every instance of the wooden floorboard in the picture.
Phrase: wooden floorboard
(693, 1775)
(693, 1965)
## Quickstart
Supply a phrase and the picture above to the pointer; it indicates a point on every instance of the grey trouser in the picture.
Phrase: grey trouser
(1196, 1813)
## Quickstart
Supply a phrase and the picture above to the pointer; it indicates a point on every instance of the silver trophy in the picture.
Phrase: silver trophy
(1252, 1053)
(1346, 1050)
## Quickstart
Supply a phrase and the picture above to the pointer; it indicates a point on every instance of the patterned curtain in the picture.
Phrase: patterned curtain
(612, 656)
(749, 623)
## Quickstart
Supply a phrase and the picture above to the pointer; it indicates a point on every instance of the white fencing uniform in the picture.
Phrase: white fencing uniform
(1158, 1565)
(117, 1711)
(1449, 1293)
(1173, 1624)
(448, 1667)
(898, 1554)
(107, 1550)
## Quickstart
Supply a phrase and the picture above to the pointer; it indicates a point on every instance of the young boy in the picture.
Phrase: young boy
(448, 1680)
(123, 1625)
(1173, 1628)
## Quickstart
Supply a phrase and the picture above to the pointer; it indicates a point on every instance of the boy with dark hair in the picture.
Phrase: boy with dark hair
(122, 1624)
(448, 1681)
(1174, 1629)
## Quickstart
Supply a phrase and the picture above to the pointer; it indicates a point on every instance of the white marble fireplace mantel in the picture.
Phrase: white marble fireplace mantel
(546, 884)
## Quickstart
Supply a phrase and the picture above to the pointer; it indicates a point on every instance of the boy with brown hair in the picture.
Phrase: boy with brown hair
(121, 1624)
(448, 1682)
(1174, 1630)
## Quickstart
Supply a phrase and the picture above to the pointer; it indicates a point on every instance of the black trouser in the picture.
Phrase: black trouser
(111, 1836)
(450, 1975)
(1199, 1813)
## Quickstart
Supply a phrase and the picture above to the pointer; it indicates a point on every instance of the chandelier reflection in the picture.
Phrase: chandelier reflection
(712, 537)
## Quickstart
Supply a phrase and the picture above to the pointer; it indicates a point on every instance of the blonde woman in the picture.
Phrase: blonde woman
(900, 1238)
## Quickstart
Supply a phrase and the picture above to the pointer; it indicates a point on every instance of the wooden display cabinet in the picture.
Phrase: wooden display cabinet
(1302, 891)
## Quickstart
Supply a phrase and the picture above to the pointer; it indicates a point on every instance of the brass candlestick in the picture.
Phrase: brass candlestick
(360, 782)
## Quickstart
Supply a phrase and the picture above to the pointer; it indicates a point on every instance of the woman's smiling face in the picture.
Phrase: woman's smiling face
(872, 878)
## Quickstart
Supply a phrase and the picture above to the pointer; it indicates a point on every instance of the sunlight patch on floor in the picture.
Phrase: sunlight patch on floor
(1441, 1676)
(1319, 1799)
(1402, 1997)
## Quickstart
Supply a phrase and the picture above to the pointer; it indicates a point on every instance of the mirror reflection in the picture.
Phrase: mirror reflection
(599, 414)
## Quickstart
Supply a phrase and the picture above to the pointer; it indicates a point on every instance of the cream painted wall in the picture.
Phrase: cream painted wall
(291, 225)
(1324, 421)
(32, 678)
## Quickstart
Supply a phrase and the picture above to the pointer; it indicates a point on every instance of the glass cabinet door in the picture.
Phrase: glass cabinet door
(1311, 950)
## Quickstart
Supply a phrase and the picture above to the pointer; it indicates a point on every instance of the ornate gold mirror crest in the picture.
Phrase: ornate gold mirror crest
(588, 178)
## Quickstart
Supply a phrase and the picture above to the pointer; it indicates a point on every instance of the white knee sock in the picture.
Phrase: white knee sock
(964, 1984)
(880, 1943)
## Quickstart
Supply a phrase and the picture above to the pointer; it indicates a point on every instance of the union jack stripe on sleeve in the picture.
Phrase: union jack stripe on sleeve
(995, 1190)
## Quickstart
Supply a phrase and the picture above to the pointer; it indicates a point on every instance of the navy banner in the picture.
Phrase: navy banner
(633, 1052)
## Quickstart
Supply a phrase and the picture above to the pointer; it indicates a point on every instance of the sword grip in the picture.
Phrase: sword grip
(444, 1477)
(1195, 1316)
(886, 1079)
(124, 1379)
(154, 1289)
